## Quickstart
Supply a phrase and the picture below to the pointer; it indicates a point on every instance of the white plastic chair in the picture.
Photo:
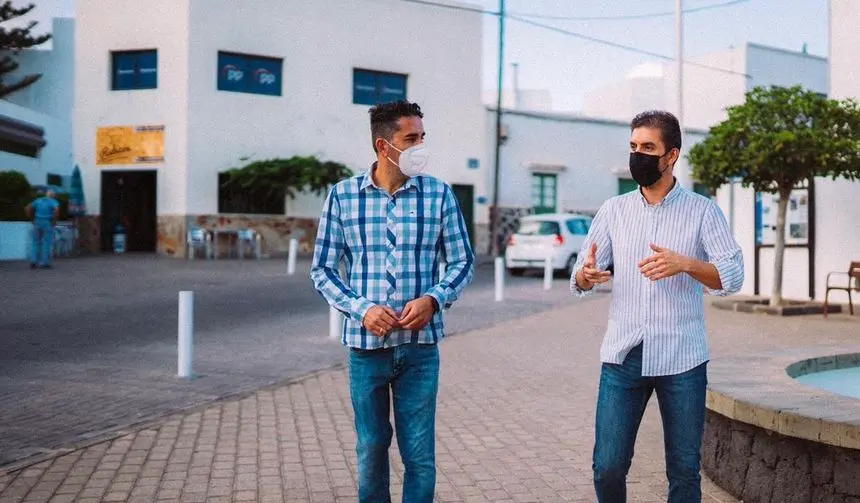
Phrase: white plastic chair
(198, 238)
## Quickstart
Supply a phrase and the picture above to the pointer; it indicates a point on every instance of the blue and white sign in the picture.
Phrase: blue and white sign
(249, 74)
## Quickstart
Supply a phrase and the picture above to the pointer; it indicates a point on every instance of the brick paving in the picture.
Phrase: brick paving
(515, 421)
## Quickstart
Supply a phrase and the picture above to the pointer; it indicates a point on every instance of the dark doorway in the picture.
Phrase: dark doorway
(465, 195)
(129, 198)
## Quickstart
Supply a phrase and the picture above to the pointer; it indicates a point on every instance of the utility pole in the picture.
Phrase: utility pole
(495, 214)
(682, 172)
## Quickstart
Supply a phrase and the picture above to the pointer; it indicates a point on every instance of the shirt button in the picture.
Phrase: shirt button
(390, 246)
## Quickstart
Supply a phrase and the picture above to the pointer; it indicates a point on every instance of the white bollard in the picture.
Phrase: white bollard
(500, 278)
(186, 333)
(547, 272)
(335, 323)
(291, 256)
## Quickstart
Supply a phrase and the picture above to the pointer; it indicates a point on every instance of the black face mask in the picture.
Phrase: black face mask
(645, 168)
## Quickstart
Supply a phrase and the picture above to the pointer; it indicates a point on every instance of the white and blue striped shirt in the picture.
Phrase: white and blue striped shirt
(666, 316)
(392, 246)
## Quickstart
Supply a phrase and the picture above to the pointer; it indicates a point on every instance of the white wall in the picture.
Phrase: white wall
(157, 24)
(594, 152)
(53, 93)
(47, 103)
(55, 157)
(844, 49)
(321, 43)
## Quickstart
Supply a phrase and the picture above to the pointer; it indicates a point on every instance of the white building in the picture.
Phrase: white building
(712, 83)
(285, 77)
(553, 162)
(37, 119)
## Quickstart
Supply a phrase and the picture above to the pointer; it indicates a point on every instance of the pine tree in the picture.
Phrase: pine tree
(12, 41)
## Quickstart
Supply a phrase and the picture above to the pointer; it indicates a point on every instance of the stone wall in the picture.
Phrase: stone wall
(761, 466)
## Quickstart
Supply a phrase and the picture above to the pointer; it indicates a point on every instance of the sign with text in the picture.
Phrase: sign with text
(796, 218)
(130, 145)
(243, 73)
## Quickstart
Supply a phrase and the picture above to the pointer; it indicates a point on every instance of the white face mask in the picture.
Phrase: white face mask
(413, 160)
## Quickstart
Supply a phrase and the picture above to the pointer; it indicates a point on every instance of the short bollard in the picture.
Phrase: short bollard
(291, 256)
(547, 273)
(500, 278)
(186, 333)
(335, 323)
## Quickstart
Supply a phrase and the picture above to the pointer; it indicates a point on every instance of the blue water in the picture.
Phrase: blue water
(842, 382)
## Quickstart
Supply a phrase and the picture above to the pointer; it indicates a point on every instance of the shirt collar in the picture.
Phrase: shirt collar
(368, 181)
(673, 194)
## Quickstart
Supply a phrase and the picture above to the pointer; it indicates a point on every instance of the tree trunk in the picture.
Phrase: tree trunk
(779, 249)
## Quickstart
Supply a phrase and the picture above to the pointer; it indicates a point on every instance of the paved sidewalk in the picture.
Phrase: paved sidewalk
(515, 423)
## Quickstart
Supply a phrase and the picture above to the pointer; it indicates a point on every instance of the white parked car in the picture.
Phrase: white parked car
(557, 234)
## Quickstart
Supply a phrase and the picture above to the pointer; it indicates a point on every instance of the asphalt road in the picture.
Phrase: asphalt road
(89, 347)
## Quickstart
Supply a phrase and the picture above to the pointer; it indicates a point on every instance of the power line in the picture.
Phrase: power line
(622, 46)
(574, 34)
(626, 17)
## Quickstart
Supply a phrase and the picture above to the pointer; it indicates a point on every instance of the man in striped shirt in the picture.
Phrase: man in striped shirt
(665, 245)
(393, 227)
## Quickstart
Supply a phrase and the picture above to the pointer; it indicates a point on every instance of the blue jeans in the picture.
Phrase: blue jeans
(621, 402)
(409, 373)
(43, 241)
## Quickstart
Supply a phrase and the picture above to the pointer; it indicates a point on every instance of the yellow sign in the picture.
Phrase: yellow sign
(130, 145)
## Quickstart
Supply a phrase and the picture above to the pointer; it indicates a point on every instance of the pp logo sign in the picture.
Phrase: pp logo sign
(233, 74)
(265, 77)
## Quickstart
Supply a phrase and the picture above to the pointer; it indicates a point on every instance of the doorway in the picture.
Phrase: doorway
(129, 198)
(465, 195)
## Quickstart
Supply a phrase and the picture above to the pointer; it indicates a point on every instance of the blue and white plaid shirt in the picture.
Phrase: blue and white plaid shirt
(392, 246)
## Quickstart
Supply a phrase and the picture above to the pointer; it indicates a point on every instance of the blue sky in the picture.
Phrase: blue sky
(569, 67)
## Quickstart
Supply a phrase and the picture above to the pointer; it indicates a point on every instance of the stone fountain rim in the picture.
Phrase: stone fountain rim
(760, 390)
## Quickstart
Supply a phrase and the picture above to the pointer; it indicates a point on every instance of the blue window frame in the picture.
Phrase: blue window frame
(245, 73)
(371, 87)
(133, 70)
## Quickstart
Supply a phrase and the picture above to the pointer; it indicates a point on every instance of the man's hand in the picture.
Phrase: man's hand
(663, 264)
(380, 320)
(418, 313)
(590, 275)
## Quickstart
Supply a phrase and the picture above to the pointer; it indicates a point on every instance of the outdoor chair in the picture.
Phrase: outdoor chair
(251, 239)
(852, 283)
(197, 239)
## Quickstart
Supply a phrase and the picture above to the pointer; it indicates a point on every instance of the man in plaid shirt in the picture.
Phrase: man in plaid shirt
(392, 227)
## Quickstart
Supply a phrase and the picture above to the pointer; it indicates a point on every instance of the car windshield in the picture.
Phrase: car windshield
(538, 228)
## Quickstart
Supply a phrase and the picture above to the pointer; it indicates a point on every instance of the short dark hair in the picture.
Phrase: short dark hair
(384, 117)
(670, 130)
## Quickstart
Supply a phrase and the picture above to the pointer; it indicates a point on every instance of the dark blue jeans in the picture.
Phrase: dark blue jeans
(621, 402)
(409, 374)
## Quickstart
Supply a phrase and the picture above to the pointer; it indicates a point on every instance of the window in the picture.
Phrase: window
(538, 228)
(239, 200)
(53, 179)
(370, 87)
(578, 226)
(244, 73)
(543, 193)
(134, 70)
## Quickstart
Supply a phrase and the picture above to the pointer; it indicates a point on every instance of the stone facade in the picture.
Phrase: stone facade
(275, 230)
(760, 466)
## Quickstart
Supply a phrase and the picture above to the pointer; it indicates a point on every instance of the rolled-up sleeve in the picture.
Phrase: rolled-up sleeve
(722, 251)
(597, 233)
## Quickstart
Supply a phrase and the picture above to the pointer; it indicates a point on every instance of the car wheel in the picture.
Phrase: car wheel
(568, 271)
(516, 271)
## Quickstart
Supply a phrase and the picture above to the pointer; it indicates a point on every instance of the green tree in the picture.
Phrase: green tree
(15, 194)
(777, 139)
(286, 177)
(12, 41)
